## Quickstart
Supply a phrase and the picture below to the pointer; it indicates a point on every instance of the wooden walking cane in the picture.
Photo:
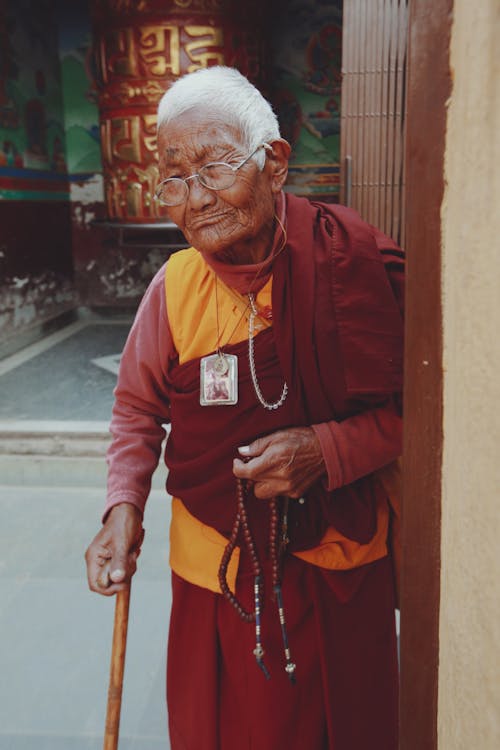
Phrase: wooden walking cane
(116, 670)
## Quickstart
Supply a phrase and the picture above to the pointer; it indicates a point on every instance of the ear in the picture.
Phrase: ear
(277, 156)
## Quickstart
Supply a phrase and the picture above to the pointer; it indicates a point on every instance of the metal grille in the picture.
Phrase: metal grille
(373, 111)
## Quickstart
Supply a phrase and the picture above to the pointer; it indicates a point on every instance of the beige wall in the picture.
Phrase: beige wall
(469, 669)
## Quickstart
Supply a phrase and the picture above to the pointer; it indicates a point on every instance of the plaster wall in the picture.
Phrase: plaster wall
(469, 683)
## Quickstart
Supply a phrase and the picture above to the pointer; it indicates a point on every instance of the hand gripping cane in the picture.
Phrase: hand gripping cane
(116, 670)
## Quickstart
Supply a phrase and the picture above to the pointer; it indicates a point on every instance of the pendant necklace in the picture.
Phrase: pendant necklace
(251, 359)
(219, 371)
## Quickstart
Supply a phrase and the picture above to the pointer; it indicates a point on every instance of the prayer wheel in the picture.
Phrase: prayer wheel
(140, 49)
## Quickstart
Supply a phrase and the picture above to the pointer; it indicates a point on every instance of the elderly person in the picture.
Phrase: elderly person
(273, 345)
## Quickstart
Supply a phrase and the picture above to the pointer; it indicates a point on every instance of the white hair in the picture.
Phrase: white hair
(227, 91)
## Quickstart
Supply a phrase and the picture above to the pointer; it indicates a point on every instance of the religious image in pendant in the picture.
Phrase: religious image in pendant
(219, 380)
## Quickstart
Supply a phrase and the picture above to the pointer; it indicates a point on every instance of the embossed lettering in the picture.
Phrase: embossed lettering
(159, 48)
(197, 50)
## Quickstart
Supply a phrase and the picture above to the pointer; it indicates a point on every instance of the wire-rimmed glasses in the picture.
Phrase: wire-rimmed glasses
(216, 175)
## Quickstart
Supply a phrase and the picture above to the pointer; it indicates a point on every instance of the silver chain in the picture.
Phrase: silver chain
(251, 318)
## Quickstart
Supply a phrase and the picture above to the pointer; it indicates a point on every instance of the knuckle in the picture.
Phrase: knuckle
(259, 491)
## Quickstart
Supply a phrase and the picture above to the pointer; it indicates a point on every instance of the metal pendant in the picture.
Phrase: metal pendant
(219, 380)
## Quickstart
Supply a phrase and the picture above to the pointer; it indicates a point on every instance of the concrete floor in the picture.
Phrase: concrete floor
(56, 634)
(69, 375)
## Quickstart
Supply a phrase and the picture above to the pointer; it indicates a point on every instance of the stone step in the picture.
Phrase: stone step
(57, 454)
(54, 438)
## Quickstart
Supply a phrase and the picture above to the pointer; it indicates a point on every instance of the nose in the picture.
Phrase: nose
(199, 196)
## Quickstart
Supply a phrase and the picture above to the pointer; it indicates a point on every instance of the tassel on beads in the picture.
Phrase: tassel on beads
(258, 650)
(277, 548)
(290, 666)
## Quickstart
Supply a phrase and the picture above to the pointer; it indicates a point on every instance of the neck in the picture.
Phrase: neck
(249, 252)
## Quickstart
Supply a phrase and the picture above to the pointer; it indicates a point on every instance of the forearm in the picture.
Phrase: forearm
(132, 457)
(141, 402)
(361, 444)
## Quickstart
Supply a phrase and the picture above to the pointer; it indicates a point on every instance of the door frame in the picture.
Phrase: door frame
(429, 88)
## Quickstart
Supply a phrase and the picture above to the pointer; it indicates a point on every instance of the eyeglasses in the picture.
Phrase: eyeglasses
(215, 176)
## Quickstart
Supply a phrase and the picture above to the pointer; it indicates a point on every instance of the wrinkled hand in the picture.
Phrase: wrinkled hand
(112, 555)
(286, 462)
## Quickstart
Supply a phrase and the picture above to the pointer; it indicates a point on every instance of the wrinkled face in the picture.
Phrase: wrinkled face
(236, 222)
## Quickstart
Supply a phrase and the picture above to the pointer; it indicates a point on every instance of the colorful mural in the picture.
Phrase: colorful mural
(81, 115)
(32, 136)
(306, 63)
(36, 266)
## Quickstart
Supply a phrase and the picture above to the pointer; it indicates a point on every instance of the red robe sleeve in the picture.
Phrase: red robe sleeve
(141, 404)
(364, 443)
(361, 444)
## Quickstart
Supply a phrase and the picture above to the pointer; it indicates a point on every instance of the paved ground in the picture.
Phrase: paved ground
(56, 635)
(69, 375)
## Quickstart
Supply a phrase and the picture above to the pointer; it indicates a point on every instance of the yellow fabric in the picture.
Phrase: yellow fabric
(196, 549)
(192, 309)
(335, 552)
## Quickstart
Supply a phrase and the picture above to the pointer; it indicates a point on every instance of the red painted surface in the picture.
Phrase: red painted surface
(34, 184)
(141, 49)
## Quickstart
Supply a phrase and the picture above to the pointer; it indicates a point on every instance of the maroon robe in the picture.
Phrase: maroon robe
(337, 340)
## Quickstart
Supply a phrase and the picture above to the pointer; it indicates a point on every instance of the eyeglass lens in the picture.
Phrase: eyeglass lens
(215, 176)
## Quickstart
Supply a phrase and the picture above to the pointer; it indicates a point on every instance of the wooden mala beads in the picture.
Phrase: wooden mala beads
(277, 545)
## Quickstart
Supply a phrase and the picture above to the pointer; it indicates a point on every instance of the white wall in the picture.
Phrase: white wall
(469, 670)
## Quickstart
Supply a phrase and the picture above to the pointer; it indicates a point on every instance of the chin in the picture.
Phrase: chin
(211, 242)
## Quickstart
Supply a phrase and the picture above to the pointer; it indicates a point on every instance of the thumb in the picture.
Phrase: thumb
(118, 565)
(117, 574)
(256, 448)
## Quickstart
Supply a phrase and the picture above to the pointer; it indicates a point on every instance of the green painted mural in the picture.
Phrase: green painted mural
(32, 134)
(306, 64)
(81, 115)
(48, 117)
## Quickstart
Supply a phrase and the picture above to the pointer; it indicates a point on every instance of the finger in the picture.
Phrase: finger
(109, 581)
(257, 447)
(254, 468)
(95, 565)
(100, 582)
(120, 567)
(111, 590)
(105, 569)
(265, 490)
(244, 469)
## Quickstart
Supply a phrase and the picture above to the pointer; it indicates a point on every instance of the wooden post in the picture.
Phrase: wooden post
(117, 669)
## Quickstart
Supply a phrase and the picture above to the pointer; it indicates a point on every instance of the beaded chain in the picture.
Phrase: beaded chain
(240, 520)
(251, 358)
(276, 547)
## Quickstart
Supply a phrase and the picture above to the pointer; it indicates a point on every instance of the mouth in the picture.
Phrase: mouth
(206, 221)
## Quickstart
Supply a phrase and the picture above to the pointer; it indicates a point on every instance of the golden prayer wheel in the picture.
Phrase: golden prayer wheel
(140, 49)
